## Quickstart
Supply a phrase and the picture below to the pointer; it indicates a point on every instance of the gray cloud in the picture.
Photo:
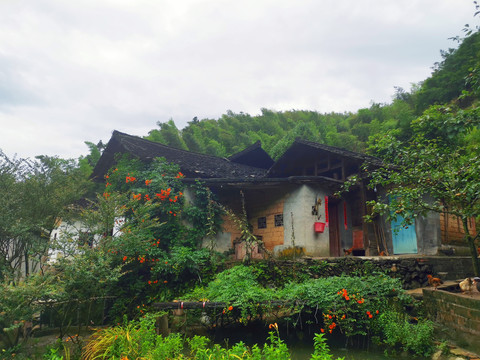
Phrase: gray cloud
(74, 71)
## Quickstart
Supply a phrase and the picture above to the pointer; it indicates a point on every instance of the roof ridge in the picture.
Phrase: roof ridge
(167, 146)
(257, 144)
(334, 148)
(120, 134)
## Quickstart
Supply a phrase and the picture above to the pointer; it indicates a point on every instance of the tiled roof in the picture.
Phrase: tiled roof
(192, 165)
(254, 155)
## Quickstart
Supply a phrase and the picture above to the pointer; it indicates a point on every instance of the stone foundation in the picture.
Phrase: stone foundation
(458, 315)
(412, 271)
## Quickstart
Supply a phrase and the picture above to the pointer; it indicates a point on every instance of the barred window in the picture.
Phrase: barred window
(262, 222)
(278, 220)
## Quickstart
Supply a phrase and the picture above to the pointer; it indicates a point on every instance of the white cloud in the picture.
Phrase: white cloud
(74, 71)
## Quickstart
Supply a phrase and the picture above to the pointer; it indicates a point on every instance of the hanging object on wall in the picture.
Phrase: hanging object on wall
(319, 227)
(326, 210)
(315, 208)
(345, 215)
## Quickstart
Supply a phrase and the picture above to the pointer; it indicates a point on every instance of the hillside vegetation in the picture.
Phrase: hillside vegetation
(233, 132)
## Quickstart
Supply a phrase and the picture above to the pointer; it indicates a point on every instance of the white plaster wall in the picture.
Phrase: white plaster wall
(299, 203)
(64, 239)
(221, 242)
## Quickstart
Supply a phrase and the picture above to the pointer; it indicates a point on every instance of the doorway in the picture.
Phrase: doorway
(334, 231)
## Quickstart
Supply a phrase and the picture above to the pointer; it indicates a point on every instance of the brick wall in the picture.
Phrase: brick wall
(265, 204)
(452, 229)
(457, 314)
(268, 207)
(229, 226)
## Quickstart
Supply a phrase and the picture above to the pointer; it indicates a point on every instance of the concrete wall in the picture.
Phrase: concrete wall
(295, 203)
(298, 210)
(428, 234)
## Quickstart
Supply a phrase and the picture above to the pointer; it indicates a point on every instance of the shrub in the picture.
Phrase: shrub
(396, 332)
(137, 340)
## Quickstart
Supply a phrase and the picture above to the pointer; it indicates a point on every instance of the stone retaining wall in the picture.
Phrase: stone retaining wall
(412, 271)
(457, 314)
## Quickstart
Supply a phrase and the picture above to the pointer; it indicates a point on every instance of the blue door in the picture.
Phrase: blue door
(404, 239)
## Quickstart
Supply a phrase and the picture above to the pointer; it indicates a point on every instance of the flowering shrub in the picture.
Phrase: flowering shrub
(150, 239)
(343, 304)
(348, 304)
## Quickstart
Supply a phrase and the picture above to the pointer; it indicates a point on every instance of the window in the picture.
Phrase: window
(278, 220)
(262, 222)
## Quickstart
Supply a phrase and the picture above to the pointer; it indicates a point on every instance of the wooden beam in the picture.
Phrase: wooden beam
(205, 305)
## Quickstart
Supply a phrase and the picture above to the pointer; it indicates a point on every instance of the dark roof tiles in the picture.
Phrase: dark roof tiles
(191, 164)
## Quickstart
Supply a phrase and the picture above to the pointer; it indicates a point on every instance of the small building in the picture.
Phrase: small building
(290, 203)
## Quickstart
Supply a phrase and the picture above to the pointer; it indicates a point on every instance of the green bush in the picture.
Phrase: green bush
(138, 340)
(396, 332)
(349, 305)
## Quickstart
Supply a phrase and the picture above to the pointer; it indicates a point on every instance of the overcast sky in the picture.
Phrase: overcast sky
(73, 71)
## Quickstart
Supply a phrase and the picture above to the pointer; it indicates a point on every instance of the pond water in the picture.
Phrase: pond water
(304, 352)
(300, 344)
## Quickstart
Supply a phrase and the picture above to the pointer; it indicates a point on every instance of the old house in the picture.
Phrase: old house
(290, 203)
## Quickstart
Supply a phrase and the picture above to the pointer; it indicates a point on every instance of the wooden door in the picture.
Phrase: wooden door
(333, 229)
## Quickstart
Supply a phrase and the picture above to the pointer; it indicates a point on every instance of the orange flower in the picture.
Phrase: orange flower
(230, 308)
(125, 258)
(179, 175)
(376, 312)
(322, 331)
(148, 182)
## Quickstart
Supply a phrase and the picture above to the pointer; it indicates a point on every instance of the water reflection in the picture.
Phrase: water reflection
(300, 344)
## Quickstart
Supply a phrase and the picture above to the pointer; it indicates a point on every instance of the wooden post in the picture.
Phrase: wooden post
(161, 325)
(366, 242)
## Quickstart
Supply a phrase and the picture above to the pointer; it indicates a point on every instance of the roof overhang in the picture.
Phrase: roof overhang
(329, 183)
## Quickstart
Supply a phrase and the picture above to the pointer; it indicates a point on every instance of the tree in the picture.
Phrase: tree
(168, 135)
(448, 78)
(33, 196)
(435, 170)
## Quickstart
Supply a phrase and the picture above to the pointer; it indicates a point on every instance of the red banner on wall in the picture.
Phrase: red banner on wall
(345, 215)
